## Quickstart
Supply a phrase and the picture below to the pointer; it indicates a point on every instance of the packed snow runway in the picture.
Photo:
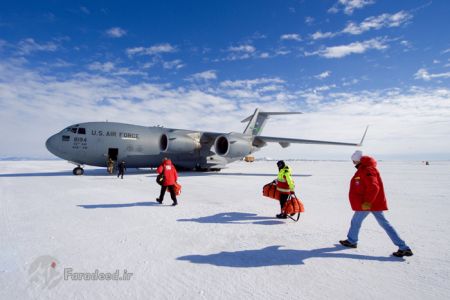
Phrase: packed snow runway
(222, 241)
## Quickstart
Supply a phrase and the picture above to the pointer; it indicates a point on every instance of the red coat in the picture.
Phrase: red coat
(169, 172)
(366, 186)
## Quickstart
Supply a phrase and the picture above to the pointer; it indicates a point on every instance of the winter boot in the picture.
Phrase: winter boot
(346, 243)
(281, 216)
(401, 253)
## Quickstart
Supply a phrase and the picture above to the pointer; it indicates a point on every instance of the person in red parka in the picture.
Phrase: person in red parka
(367, 196)
(170, 176)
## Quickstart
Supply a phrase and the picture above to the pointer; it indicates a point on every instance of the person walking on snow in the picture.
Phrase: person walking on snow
(122, 168)
(285, 185)
(367, 196)
(170, 176)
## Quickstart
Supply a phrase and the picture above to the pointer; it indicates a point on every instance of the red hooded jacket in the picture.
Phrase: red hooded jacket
(366, 186)
(169, 172)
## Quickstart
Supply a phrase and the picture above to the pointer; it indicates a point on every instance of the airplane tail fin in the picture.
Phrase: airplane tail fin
(363, 137)
(257, 121)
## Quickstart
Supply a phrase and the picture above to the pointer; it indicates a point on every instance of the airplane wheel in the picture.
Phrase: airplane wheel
(78, 171)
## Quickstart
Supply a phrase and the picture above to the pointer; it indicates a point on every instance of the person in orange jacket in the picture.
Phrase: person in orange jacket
(170, 176)
(367, 196)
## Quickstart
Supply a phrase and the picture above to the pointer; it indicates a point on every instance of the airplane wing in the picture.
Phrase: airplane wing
(260, 141)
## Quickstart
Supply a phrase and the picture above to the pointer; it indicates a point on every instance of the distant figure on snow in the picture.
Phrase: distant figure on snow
(122, 168)
(170, 176)
(367, 196)
(110, 165)
(285, 185)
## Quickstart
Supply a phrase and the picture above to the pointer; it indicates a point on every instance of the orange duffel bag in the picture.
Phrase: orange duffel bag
(270, 190)
(293, 206)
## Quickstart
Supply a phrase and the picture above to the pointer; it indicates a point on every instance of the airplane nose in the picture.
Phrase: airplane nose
(52, 145)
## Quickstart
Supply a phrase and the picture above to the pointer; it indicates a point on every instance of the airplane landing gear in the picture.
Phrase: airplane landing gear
(78, 171)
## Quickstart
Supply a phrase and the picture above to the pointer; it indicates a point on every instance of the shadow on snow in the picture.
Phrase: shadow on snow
(274, 256)
(234, 218)
(225, 173)
(118, 205)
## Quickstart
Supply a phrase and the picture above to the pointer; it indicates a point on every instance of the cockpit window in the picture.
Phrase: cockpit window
(72, 128)
(81, 130)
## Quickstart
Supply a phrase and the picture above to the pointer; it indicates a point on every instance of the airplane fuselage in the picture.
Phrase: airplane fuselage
(94, 143)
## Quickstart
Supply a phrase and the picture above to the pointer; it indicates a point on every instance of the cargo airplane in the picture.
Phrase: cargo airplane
(93, 143)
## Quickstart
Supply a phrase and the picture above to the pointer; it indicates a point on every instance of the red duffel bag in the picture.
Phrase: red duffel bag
(293, 206)
(270, 190)
(177, 188)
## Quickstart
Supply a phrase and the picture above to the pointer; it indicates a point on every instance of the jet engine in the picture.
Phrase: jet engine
(233, 145)
(179, 142)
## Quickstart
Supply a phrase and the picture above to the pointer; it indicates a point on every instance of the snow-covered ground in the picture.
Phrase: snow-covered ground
(222, 241)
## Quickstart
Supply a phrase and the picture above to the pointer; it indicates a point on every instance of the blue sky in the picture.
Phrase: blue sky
(208, 64)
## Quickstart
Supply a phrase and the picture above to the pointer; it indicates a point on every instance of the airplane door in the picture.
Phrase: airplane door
(113, 153)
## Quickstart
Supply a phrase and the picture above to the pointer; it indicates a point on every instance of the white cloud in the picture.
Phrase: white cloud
(153, 50)
(423, 74)
(323, 75)
(323, 88)
(174, 64)
(250, 83)
(446, 51)
(247, 51)
(242, 48)
(102, 67)
(348, 6)
(291, 37)
(240, 56)
(378, 22)
(370, 23)
(353, 48)
(282, 52)
(405, 43)
(319, 35)
(29, 45)
(240, 52)
(111, 69)
(347, 82)
(309, 20)
(161, 48)
(259, 89)
(206, 75)
(116, 32)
